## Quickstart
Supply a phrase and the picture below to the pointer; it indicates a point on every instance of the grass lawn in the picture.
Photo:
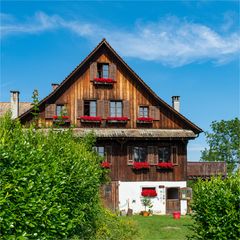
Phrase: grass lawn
(163, 227)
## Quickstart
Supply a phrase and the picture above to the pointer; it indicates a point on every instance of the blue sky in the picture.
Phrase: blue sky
(186, 48)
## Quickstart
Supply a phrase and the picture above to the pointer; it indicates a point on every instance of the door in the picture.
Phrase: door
(172, 200)
(109, 194)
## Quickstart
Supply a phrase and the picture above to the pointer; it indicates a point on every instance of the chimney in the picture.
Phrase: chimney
(54, 86)
(15, 104)
(176, 103)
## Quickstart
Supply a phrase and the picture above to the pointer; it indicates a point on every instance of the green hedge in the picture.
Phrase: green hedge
(216, 207)
(49, 185)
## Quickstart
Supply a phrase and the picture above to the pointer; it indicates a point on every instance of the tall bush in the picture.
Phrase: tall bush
(216, 209)
(49, 184)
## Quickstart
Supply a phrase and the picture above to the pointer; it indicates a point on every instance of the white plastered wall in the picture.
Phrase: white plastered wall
(130, 194)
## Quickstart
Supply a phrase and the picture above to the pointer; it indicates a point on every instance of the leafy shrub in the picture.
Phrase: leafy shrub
(112, 227)
(216, 207)
(49, 185)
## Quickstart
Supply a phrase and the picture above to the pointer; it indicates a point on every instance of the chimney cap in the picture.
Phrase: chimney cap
(13, 91)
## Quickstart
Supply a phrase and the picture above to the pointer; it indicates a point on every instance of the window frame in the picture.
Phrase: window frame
(169, 154)
(101, 72)
(88, 103)
(142, 113)
(115, 108)
(60, 112)
(136, 149)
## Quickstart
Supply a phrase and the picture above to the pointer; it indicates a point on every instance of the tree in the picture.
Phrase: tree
(224, 143)
(35, 104)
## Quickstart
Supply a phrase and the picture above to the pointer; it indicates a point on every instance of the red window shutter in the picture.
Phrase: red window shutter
(130, 155)
(174, 155)
(93, 70)
(50, 110)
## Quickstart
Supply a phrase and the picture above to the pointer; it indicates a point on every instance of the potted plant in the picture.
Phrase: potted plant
(147, 203)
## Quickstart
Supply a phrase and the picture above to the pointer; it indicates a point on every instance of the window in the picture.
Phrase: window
(140, 154)
(90, 108)
(60, 109)
(143, 111)
(115, 109)
(173, 193)
(103, 70)
(99, 150)
(164, 154)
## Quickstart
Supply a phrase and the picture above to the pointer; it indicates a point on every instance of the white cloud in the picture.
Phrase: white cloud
(172, 41)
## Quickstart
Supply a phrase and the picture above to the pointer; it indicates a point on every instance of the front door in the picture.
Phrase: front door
(172, 200)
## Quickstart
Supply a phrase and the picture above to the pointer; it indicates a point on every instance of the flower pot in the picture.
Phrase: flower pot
(176, 215)
(145, 213)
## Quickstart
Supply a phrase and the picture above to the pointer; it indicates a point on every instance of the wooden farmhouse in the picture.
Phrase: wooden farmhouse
(142, 138)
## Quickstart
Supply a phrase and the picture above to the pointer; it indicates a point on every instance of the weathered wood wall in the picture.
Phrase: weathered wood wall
(125, 89)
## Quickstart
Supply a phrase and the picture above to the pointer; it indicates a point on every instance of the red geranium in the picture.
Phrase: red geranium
(141, 165)
(149, 193)
(117, 118)
(145, 119)
(105, 165)
(165, 165)
(90, 118)
(104, 80)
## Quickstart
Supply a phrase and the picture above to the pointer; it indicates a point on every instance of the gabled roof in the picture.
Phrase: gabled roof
(87, 60)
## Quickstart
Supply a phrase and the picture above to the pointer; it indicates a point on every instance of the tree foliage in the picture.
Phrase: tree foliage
(49, 184)
(216, 207)
(224, 143)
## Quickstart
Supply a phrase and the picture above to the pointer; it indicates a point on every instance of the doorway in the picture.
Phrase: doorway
(172, 200)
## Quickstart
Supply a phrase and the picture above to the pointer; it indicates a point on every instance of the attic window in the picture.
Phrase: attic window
(103, 70)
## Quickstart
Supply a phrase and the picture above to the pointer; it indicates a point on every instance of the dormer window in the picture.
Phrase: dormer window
(103, 70)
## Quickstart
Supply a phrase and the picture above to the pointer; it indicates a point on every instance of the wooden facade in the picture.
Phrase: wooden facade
(126, 87)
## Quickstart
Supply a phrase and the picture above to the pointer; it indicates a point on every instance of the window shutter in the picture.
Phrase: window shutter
(112, 71)
(130, 155)
(155, 155)
(50, 110)
(108, 154)
(106, 109)
(100, 108)
(80, 106)
(154, 112)
(150, 157)
(174, 155)
(93, 70)
(126, 108)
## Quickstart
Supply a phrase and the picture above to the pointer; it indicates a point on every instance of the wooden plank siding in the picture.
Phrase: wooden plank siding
(124, 89)
(121, 171)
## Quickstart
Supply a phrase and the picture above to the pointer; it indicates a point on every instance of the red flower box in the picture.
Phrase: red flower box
(60, 117)
(90, 119)
(103, 80)
(165, 165)
(145, 119)
(149, 193)
(118, 119)
(141, 165)
(105, 165)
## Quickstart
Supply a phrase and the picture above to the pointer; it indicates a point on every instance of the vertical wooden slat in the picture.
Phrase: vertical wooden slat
(155, 155)
(130, 155)
(50, 110)
(80, 106)
(93, 70)
(126, 109)
(157, 113)
(112, 71)
(108, 152)
(174, 155)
